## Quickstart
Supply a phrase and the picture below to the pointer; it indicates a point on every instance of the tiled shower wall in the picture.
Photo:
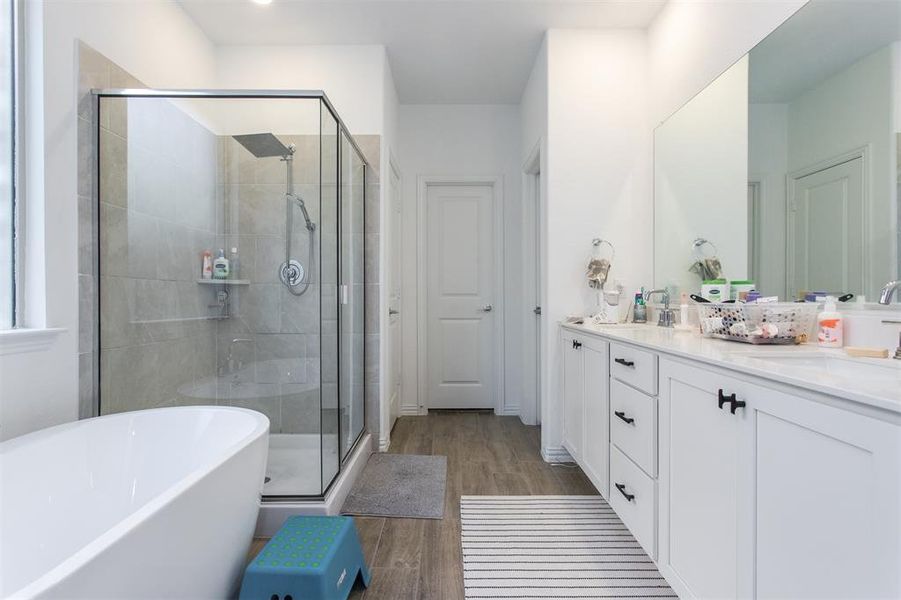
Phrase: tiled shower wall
(159, 341)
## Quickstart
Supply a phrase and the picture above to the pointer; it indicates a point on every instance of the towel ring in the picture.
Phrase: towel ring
(596, 243)
(698, 244)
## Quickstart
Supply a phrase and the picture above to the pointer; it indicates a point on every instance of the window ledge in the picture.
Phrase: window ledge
(19, 341)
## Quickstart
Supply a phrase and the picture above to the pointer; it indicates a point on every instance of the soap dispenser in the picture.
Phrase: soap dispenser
(829, 326)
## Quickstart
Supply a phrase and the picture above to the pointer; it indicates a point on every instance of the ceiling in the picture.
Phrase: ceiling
(441, 51)
(819, 41)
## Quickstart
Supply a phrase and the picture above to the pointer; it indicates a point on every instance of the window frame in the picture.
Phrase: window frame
(13, 319)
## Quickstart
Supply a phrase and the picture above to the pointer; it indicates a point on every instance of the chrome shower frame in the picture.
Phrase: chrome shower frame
(181, 94)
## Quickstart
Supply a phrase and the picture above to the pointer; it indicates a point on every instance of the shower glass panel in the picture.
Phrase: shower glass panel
(351, 323)
(268, 182)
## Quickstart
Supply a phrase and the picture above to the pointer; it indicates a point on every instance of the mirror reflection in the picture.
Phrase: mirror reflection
(809, 125)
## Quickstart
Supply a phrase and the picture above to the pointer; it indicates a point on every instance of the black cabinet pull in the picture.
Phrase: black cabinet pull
(577, 344)
(622, 490)
(722, 398)
(624, 362)
(623, 416)
(731, 399)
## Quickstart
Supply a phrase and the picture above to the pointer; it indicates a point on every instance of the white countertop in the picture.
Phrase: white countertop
(882, 392)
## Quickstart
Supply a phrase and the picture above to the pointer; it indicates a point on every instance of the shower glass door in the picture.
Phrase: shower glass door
(273, 187)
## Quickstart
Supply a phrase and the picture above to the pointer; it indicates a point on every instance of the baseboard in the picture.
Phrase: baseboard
(556, 454)
(508, 411)
(384, 444)
(410, 411)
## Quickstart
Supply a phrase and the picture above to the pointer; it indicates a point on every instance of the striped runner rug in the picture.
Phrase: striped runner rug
(552, 547)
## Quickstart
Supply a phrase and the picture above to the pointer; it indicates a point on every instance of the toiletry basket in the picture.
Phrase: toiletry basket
(765, 323)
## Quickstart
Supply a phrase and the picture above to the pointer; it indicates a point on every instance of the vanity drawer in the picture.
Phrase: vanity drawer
(633, 496)
(636, 367)
(633, 425)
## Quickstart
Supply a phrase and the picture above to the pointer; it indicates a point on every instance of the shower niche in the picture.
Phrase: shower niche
(274, 184)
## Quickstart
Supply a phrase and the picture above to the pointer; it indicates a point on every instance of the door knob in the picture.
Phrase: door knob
(487, 308)
(391, 311)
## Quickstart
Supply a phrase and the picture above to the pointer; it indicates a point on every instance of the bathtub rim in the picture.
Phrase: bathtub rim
(121, 528)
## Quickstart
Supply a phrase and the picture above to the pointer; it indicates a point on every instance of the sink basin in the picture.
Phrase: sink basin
(872, 370)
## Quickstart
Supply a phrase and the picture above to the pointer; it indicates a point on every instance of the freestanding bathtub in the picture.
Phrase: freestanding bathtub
(151, 504)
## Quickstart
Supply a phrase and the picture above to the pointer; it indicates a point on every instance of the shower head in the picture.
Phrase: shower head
(263, 145)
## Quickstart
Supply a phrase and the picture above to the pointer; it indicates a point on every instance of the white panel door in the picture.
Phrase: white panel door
(394, 299)
(461, 284)
(826, 220)
(596, 421)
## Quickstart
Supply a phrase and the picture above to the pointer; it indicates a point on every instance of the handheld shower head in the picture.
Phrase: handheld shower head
(310, 225)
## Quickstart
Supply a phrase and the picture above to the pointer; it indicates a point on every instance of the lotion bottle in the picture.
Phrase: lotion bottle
(206, 270)
(829, 326)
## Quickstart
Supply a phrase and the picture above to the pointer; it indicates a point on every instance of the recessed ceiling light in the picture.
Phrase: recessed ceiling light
(262, 2)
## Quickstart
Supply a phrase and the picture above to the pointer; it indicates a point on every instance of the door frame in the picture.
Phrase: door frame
(389, 419)
(530, 406)
(863, 153)
(496, 183)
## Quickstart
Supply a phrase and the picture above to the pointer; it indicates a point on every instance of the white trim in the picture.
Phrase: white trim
(530, 406)
(497, 184)
(556, 454)
(385, 241)
(863, 153)
(411, 411)
(20, 341)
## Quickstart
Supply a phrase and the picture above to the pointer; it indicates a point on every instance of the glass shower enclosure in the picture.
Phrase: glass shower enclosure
(230, 230)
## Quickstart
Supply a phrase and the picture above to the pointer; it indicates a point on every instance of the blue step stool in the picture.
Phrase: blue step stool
(310, 558)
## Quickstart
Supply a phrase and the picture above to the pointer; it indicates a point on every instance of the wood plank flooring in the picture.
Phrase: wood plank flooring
(486, 454)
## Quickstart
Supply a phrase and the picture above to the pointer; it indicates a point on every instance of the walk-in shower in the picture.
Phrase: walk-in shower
(273, 183)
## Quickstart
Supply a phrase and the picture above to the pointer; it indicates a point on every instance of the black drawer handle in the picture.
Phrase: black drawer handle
(623, 416)
(731, 399)
(624, 362)
(577, 344)
(622, 490)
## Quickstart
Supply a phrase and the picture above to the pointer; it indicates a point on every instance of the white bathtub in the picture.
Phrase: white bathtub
(151, 504)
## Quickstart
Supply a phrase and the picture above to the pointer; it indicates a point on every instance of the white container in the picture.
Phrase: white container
(156, 503)
(715, 290)
(830, 332)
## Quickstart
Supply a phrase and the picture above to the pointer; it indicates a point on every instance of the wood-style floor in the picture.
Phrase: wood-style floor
(486, 454)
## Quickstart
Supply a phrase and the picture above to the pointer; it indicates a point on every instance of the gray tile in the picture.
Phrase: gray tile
(85, 158)
(86, 321)
(300, 409)
(373, 217)
(113, 169)
(85, 235)
(281, 358)
(371, 258)
(300, 314)
(93, 72)
(373, 312)
(268, 255)
(260, 307)
(113, 240)
(372, 358)
(85, 385)
(143, 245)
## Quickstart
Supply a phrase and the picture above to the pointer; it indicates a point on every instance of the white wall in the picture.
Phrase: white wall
(462, 140)
(691, 42)
(598, 178)
(158, 43)
(352, 76)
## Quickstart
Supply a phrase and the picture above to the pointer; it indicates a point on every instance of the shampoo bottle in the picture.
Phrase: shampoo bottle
(829, 326)
(206, 269)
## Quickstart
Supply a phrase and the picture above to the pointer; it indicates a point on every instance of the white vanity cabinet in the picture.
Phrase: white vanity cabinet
(780, 497)
(586, 427)
(737, 485)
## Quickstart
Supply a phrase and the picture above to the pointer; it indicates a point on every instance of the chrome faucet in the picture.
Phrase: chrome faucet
(888, 291)
(667, 317)
(231, 364)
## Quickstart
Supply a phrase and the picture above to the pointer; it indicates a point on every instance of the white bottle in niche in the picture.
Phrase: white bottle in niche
(220, 266)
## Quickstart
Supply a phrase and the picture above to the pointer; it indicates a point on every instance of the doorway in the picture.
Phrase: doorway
(530, 411)
(461, 293)
(827, 228)
(395, 281)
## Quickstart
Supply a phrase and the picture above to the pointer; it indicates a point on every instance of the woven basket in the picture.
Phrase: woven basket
(768, 323)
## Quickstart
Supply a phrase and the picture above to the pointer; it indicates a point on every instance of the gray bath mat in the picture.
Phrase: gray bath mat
(399, 485)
